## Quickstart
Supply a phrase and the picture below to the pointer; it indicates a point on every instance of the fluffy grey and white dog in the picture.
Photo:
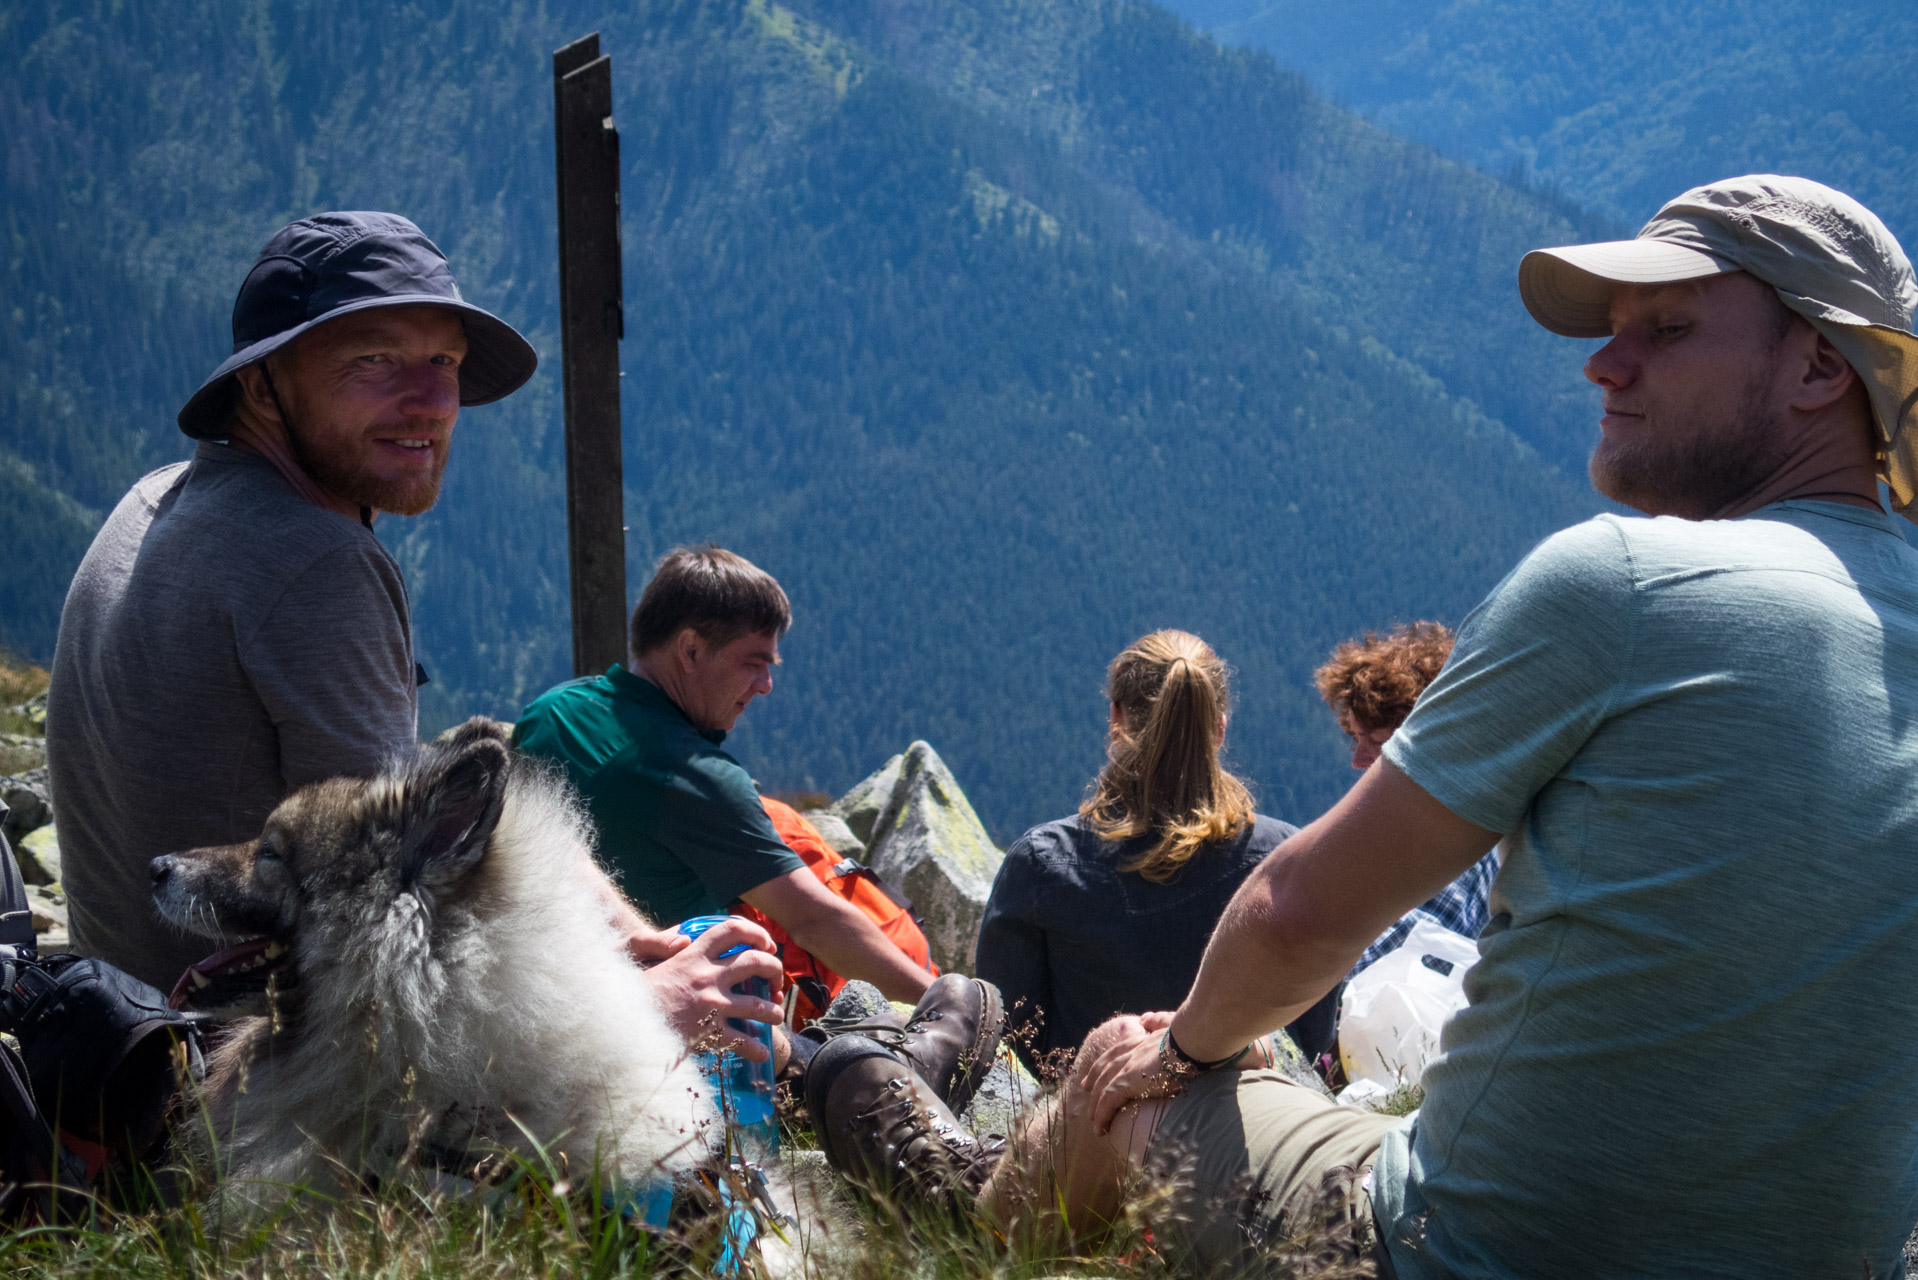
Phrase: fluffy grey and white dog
(444, 977)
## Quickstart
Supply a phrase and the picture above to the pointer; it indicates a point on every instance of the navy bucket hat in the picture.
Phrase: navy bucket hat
(334, 264)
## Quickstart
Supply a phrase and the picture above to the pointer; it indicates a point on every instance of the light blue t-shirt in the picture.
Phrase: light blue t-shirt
(1691, 1047)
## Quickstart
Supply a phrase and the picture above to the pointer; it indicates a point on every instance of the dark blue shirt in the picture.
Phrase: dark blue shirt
(1070, 940)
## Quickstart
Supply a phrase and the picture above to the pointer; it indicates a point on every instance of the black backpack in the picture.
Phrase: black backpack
(99, 1061)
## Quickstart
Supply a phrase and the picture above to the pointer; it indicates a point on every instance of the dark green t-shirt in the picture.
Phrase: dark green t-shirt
(680, 823)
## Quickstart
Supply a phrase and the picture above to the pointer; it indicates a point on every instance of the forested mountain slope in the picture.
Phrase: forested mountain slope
(1001, 332)
(1621, 104)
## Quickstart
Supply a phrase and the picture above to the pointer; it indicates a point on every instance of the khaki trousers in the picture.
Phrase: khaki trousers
(1255, 1160)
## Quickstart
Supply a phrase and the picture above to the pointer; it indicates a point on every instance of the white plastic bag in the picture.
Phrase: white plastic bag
(1390, 1015)
(1367, 1094)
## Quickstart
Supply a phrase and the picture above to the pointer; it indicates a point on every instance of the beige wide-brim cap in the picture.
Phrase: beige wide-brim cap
(1830, 259)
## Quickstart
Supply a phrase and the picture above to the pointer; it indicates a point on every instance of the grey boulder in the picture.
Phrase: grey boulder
(833, 829)
(1005, 1099)
(29, 801)
(38, 854)
(48, 906)
(923, 839)
(1290, 1061)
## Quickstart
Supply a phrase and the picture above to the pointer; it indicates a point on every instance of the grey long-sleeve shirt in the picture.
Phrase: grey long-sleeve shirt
(224, 643)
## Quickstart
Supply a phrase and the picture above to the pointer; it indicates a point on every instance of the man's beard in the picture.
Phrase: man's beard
(1699, 474)
(336, 469)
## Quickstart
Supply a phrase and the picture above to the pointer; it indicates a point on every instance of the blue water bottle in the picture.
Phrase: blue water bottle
(746, 1088)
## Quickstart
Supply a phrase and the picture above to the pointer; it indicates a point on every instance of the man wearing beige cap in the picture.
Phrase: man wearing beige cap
(1696, 735)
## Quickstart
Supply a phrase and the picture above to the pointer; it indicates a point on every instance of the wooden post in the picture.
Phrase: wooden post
(592, 322)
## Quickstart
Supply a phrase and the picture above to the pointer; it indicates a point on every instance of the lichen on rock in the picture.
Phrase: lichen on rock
(38, 854)
(924, 840)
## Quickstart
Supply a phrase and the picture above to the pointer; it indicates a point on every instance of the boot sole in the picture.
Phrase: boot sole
(985, 1050)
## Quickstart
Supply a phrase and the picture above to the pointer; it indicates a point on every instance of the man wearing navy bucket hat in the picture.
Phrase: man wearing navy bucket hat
(236, 630)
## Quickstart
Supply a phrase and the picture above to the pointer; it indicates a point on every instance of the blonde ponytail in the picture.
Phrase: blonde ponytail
(1162, 775)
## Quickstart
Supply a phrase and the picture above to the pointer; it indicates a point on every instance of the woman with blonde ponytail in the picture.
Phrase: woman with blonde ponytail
(1108, 911)
(1163, 777)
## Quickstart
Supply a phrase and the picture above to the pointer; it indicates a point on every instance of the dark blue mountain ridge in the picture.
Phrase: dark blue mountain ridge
(1000, 331)
(1621, 104)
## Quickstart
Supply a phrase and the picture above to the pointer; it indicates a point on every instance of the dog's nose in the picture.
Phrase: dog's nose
(160, 868)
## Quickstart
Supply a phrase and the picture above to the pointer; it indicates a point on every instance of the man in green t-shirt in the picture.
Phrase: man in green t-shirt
(1696, 735)
(679, 820)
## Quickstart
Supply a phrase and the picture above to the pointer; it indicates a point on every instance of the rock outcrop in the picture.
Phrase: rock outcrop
(30, 834)
(39, 856)
(26, 818)
(836, 833)
(48, 905)
(29, 801)
(1005, 1099)
(922, 837)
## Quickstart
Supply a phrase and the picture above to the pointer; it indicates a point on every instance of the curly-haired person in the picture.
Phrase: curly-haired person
(1371, 684)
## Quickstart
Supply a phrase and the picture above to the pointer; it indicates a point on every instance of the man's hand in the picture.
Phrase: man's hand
(648, 946)
(695, 987)
(1127, 1069)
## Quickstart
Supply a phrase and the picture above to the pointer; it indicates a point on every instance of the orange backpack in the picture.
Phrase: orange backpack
(814, 985)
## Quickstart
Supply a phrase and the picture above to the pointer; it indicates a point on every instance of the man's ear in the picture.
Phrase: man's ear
(253, 392)
(1827, 375)
(688, 647)
(452, 806)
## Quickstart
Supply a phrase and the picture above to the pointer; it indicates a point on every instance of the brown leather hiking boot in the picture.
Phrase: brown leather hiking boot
(950, 1040)
(882, 1126)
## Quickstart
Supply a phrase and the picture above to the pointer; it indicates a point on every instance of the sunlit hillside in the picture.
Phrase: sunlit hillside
(1001, 332)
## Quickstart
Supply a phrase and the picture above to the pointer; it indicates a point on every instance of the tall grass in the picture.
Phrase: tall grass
(403, 1231)
(533, 1224)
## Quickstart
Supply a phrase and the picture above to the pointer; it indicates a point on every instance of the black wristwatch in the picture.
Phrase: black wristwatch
(1182, 1066)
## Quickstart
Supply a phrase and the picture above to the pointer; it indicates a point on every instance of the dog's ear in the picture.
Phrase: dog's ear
(477, 729)
(452, 806)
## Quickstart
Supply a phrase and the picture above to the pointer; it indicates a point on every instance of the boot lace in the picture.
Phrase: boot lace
(948, 1156)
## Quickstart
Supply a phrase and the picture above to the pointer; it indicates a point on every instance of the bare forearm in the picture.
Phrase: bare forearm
(1228, 1007)
(644, 943)
(838, 933)
(849, 943)
(1295, 926)
(1300, 922)
(622, 913)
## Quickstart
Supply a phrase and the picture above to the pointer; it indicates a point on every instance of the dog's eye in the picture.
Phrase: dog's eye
(269, 852)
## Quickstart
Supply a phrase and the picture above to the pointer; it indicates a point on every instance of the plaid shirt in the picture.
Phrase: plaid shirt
(1461, 906)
